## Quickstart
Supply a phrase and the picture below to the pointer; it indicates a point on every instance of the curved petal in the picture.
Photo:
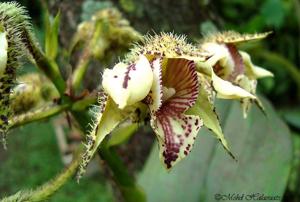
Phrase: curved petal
(253, 71)
(176, 131)
(176, 135)
(3, 52)
(156, 92)
(234, 37)
(181, 76)
(218, 52)
(226, 60)
(227, 90)
(128, 84)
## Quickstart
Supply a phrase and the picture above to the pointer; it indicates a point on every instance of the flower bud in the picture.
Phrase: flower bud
(128, 84)
(13, 25)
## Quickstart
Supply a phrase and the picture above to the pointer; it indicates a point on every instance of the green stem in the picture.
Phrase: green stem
(39, 114)
(125, 181)
(81, 105)
(49, 67)
(81, 69)
(47, 112)
(85, 58)
(49, 188)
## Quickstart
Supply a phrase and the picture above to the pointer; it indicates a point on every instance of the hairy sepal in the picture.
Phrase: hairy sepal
(107, 117)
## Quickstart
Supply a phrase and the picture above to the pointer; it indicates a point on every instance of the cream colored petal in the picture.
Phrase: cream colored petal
(219, 52)
(156, 92)
(220, 55)
(253, 71)
(227, 90)
(261, 72)
(176, 136)
(128, 84)
(3, 52)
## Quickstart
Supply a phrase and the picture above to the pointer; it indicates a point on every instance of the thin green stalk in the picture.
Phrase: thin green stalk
(49, 67)
(82, 104)
(39, 114)
(85, 58)
(47, 112)
(130, 190)
(45, 191)
(81, 68)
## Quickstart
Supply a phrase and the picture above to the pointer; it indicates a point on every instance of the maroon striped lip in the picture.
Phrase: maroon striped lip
(180, 74)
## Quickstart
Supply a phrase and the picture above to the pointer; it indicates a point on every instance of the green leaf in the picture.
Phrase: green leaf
(263, 148)
(51, 35)
(273, 13)
(295, 174)
(122, 134)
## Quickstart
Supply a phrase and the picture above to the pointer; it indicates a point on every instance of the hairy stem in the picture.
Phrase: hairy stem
(47, 112)
(49, 67)
(43, 192)
(37, 115)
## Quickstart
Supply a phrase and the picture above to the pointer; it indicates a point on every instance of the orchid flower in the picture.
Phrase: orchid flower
(171, 79)
(232, 73)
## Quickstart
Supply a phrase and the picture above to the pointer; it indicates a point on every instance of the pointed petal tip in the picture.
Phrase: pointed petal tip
(226, 90)
(176, 137)
(228, 151)
(261, 72)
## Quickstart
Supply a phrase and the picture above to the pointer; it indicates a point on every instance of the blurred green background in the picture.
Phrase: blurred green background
(270, 154)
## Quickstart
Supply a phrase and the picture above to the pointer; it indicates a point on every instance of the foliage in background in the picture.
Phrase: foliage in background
(38, 142)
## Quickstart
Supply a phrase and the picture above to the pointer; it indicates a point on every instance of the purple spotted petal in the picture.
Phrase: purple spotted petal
(176, 131)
